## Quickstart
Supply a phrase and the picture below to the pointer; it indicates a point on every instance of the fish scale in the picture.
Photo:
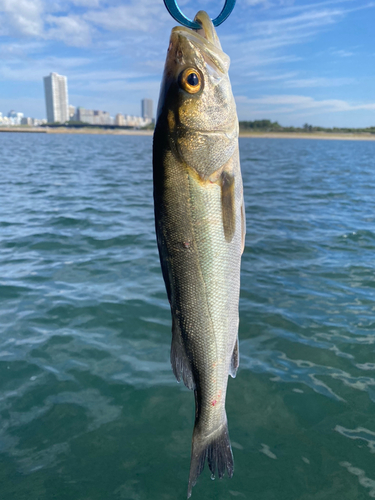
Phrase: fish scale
(200, 228)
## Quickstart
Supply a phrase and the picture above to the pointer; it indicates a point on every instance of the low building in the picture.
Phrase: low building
(27, 121)
(136, 121)
(85, 115)
(72, 112)
(4, 120)
(14, 118)
(120, 120)
(93, 117)
(39, 121)
(102, 118)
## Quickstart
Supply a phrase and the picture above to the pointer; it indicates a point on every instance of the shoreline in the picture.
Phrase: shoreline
(83, 130)
(255, 135)
(349, 136)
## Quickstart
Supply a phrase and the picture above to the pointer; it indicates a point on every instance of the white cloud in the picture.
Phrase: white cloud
(19, 50)
(311, 18)
(297, 103)
(342, 53)
(253, 3)
(109, 75)
(301, 22)
(273, 78)
(318, 82)
(285, 28)
(144, 16)
(69, 29)
(120, 86)
(269, 3)
(253, 59)
(21, 17)
(16, 70)
(289, 80)
(32, 18)
(86, 3)
(315, 5)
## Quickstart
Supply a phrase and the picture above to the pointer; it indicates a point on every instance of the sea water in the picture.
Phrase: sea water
(89, 407)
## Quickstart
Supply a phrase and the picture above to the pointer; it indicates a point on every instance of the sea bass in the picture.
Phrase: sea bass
(200, 228)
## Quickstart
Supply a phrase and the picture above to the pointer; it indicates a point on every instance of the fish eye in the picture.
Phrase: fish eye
(191, 80)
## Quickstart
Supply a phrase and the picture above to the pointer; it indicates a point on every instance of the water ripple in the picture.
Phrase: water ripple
(85, 322)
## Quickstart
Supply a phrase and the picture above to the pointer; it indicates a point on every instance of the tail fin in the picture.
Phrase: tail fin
(216, 449)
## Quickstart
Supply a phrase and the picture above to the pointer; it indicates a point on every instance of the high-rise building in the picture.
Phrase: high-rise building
(56, 94)
(147, 108)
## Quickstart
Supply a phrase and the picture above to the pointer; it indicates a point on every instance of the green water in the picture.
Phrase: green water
(89, 408)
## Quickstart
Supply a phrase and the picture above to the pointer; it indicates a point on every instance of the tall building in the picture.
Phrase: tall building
(56, 94)
(147, 108)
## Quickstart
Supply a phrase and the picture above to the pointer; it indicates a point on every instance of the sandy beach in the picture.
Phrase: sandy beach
(255, 135)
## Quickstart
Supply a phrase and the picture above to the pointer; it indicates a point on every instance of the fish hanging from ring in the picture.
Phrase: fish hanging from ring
(200, 228)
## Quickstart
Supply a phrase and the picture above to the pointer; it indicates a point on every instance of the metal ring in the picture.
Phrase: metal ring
(176, 13)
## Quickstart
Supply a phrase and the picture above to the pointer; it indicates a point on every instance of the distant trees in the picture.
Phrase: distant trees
(261, 125)
(269, 126)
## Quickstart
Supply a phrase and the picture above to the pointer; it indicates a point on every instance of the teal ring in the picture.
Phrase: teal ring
(177, 14)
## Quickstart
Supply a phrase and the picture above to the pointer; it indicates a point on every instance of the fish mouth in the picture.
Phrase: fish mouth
(206, 41)
(229, 130)
(206, 31)
(198, 36)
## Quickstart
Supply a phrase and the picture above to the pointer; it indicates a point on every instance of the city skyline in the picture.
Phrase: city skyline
(292, 61)
(59, 110)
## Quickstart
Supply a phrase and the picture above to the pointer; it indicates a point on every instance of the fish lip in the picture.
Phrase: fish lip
(212, 52)
(231, 132)
(228, 129)
(193, 34)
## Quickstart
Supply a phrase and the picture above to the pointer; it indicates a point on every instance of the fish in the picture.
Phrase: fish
(200, 230)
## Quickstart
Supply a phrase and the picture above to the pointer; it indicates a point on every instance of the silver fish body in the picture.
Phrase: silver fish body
(200, 228)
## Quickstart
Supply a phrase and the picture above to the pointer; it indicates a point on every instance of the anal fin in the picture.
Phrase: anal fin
(180, 363)
(235, 361)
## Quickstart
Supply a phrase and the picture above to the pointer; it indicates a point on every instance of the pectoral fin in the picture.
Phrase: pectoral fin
(179, 360)
(228, 205)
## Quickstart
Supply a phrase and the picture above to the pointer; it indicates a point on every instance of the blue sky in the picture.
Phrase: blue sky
(294, 61)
